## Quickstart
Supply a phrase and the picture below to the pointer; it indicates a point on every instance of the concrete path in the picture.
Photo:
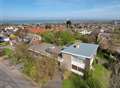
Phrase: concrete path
(12, 78)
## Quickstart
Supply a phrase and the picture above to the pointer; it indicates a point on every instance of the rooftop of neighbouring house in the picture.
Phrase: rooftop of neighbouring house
(45, 48)
(36, 29)
(85, 50)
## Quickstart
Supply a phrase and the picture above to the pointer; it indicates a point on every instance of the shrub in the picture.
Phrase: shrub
(93, 83)
(8, 52)
(58, 38)
(48, 37)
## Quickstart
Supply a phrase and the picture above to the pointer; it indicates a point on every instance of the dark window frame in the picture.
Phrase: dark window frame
(74, 67)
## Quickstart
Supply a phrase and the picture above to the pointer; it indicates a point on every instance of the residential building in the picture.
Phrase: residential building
(38, 29)
(78, 57)
(85, 32)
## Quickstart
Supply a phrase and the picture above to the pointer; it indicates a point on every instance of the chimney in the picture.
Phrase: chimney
(77, 46)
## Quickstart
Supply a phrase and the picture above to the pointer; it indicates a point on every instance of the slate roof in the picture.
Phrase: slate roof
(85, 50)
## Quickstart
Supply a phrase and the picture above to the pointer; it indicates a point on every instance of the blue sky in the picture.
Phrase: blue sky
(43, 9)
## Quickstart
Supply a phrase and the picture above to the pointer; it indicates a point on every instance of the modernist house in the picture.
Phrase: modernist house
(78, 57)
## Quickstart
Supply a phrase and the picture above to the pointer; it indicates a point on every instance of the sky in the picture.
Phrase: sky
(58, 9)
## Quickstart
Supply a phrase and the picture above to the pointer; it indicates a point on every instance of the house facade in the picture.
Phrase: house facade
(78, 57)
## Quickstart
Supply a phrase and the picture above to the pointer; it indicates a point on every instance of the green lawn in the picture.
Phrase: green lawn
(75, 81)
(99, 73)
(102, 75)
(68, 84)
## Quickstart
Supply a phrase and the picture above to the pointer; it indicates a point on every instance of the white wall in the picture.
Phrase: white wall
(78, 62)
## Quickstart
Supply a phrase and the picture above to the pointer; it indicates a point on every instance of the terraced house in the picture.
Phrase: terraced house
(78, 57)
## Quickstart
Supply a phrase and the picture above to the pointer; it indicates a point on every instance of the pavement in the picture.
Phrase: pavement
(10, 77)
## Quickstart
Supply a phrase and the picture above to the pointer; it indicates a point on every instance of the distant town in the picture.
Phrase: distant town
(66, 54)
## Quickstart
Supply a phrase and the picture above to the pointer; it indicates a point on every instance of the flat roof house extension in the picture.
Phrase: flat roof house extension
(78, 57)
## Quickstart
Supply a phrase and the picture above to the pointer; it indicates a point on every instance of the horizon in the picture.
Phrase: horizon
(59, 9)
(53, 21)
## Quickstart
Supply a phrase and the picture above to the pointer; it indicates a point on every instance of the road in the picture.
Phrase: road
(12, 78)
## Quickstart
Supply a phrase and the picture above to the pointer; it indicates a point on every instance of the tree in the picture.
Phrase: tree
(84, 38)
(66, 38)
(58, 38)
(48, 37)
(68, 23)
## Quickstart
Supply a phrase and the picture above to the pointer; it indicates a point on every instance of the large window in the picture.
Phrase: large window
(77, 68)
(77, 59)
(80, 69)
(74, 67)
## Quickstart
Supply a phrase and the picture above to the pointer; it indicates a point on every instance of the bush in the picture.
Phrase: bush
(66, 38)
(75, 81)
(58, 38)
(48, 37)
(93, 83)
(78, 82)
(8, 52)
(30, 70)
(93, 79)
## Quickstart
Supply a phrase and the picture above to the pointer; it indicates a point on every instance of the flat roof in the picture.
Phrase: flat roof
(44, 48)
(83, 50)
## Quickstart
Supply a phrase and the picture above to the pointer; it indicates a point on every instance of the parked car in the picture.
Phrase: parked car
(1, 39)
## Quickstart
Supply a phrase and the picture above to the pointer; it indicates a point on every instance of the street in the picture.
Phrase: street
(10, 77)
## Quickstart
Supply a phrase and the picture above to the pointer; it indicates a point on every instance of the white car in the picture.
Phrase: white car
(6, 39)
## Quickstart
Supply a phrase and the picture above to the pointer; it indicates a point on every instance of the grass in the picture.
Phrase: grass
(102, 75)
(99, 74)
(75, 81)
(68, 83)
(8, 52)
(4, 43)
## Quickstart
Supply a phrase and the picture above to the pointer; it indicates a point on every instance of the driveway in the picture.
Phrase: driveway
(10, 77)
